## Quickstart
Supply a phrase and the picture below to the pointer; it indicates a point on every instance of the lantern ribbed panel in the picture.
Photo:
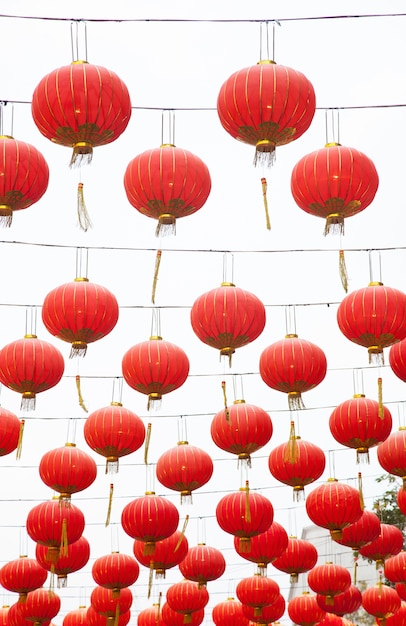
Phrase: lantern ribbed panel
(76, 617)
(296, 463)
(22, 575)
(108, 603)
(401, 590)
(397, 359)
(344, 603)
(334, 506)
(41, 605)
(115, 570)
(184, 468)
(391, 453)
(265, 547)
(380, 601)
(299, 557)
(10, 427)
(244, 514)
(388, 543)
(150, 518)
(202, 563)
(67, 470)
(54, 522)
(174, 618)
(397, 619)
(77, 556)
(168, 553)
(269, 613)
(361, 532)
(395, 568)
(401, 500)
(329, 580)
(304, 610)
(187, 597)
(96, 619)
(257, 591)
(229, 613)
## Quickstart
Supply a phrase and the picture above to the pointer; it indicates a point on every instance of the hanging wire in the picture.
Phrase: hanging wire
(331, 463)
(238, 387)
(182, 429)
(156, 323)
(71, 430)
(358, 381)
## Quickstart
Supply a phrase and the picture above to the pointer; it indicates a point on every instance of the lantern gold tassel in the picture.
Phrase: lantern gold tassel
(380, 403)
(52, 578)
(247, 503)
(264, 190)
(355, 570)
(361, 495)
(182, 533)
(147, 442)
(80, 397)
(150, 578)
(291, 449)
(64, 539)
(226, 411)
(343, 270)
(156, 271)
(110, 504)
(20, 440)
(83, 216)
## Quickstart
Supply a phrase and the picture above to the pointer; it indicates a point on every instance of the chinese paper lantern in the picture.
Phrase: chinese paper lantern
(330, 619)
(229, 613)
(263, 548)
(293, 366)
(75, 617)
(97, 619)
(380, 601)
(184, 468)
(113, 432)
(397, 359)
(154, 368)
(360, 423)
(202, 564)
(401, 590)
(227, 318)
(388, 543)
(115, 571)
(394, 568)
(82, 106)
(151, 616)
(241, 429)
(167, 183)
(300, 556)
(22, 575)
(257, 591)
(401, 500)
(269, 613)
(67, 470)
(329, 580)
(169, 617)
(391, 453)
(334, 505)
(362, 532)
(80, 312)
(397, 619)
(344, 603)
(373, 317)
(15, 619)
(30, 366)
(4, 615)
(24, 177)
(40, 606)
(110, 604)
(334, 183)
(266, 105)
(10, 431)
(168, 553)
(77, 556)
(304, 610)
(186, 597)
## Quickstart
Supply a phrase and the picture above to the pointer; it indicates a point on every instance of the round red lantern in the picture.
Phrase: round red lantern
(110, 604)
(115, 571)
(174, 618)
(30, 366)
(373, 317)
(269, 613)
(96, 619)
(334, 183)
(380, 601)
(24, 177)
(80, 312)
(293, 366)
(401, 500)
(22, 575)
(154, 368)
(227, 318)
(388, 543)
(304, 610)
(184, 468)
(394, 568)
(150, 518)
(4, 615)
(167, 183)
(391, 453)
(299, 557)
(347, 602)
(76, 617)
(397, 359)
(168, 553)
(329, 580)
(330, 619)
(186, 597)
(361, 533)
(241, 429)
(67, 470)
(397, 619)
(151, 616)
(257, 591)
(229, 613)
(40, 606)
(334, 506)
(266, 105)
(10, 431)
(263, 548)
(77, 556)
(360, 423)
(113, 432)
(203, 563)
(81, 106)
(401, 590)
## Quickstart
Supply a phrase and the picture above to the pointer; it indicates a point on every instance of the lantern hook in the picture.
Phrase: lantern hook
(74, 37)
(168, 127)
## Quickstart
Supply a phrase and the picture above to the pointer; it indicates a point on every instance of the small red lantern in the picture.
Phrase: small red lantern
(151, 616)
(360, 423)
(270, 612)
(22, 575)
(40, 606)
(227, 318)
(391, 454)
(394, 568)
(329, 580)
(110, 604)
(81, 106)
(96, 619)
(203, 563)
(266, 105)
(241, 429)
(76, 617)
(388, 543)
(184, 468)
(334, 506)
(67, 470)
(187, 597)
(304, 610)
(293, 366)
(361, 533)
(168, 553)
(114, 431)
(115, 571)
(299, 557)
(257, 592)
(380, 601)
(263, 548)
(30, 366)
(155, 367)
(174, 618)
(167, 183)
(373, 317)
(77, 556)
(330, 619)
(80, 312)
(347, 602)
(10, 431)
(229, 613)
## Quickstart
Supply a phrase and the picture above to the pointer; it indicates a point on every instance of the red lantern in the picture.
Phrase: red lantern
(266, 105)
(40, 606)
(380, 601)
(263, 548)
(401, 590)
(270, 612)
(109, 604)
(174, 618)
(80, 312)
(77, 556)
(167, 183)
(115, 571)
(96, 619)
(184, 468)
(10, 431)
(30, 366)
(361, 424)
(114, 431)
(304, 610)
(257, 591)
(155, 367)
(397, 619)
(187, 597)
(76, 617)
(334, 506)
(168, 553)
(202, 563)
(394, 568)
(229, 613)
(299, 557)
(24, 177)
(227, 318)
(15, 619)
(387, 544)
(22, 575)
(347, 602)
(4, 615)
(401, 500)
(334, 183)
(397, 359)
(361, 533)
(241, 429)
(330, 619)
(67, 470)
(373, 317)
(293, 366)
(391, 453)
(329, 580)
(151, 616)
(81, 105)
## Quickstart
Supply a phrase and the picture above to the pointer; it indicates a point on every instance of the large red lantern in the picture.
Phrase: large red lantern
(293, 366)
(30, 366)
(167, 183)
(397, 359)
(299, 557)
(227, 318)
(76, 557)
(80, 312)
(360, 423)
(269, 613)
(391, 453)
(380, 601)
(401, 499)
(168, 553)
(329, 580)
(394, 568)
(229, 613)
(40, 606)
(81, 106)
(334, 505)
(22, 575)
(154, 368)
(93, 618)
(76, 617)
(397, 619)
(110, 604)
(304, 610)
(24, 177)
(10, 431)
(187, 597)
(115, 571)
(67, 470)
(257, 591)
(169, 617)
(373, 317)
(150, 518)
(184, 468)
(344, 603)
(151, 616)
(334, 183)
(114, 431)
(266, 105)
(264, 548)
(361, 533)
(202, 563)
(388, 543)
